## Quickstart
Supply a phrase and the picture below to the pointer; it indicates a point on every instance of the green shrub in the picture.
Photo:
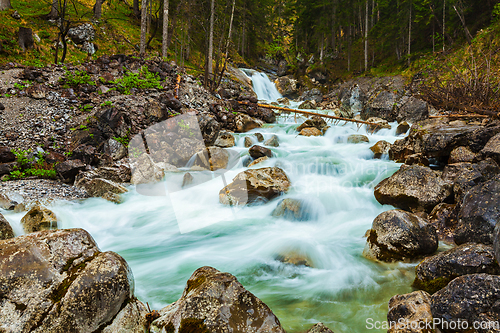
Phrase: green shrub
(142, 80)
(73, 79)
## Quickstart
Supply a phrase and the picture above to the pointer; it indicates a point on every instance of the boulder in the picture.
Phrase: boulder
(312, 95)
(295, 258)
(39, 218)
(399, 235)
(7, 203)
(307, 105)
(7, 168)
(492, 148)
(286, 86)
(284, 101)
(59, 281)
(444, 217)
(468, 299)
(118, 173)
(273, 141)
(380, 124)
(216, 302)
(314, 121)
(225, 140)
(212, 158)
(479, 212)
(5, 229)
(435, 272)
(6, 155)
(259, 137)
(380, 149)
(413, 188)
(294, 210)
(257, 161)
(357, 138)
(410, 310)
(402, 128)
(319, 328)
(310, 131)
(255, 185)
(68, 170)
(115, 149)
(245, 123)
(248, 142)
(413, 110)
(436, 138)
(382, 105)
(98, 187)
(461, 155)
(146, 171)
(259, 151)
(209, 128)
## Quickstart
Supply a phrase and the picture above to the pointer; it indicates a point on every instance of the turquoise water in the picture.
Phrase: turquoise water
(341, 289)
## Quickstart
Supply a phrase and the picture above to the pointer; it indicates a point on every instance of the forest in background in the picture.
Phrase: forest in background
(341, 38)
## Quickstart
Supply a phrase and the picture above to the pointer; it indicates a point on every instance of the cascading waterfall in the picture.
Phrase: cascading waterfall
(338, 287)
(263, 87)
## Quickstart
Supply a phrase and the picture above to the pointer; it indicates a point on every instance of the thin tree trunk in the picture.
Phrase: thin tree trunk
(5, 4)
(98, 9)
(444, 22)
(409, 36)
(144, 15)
(165, 29)
(211, 39)
(366, 36)
(54, 10)
(349, 48)
(137, 11)
(467, 32)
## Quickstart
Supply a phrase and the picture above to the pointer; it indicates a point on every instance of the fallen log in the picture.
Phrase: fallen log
(266, 106)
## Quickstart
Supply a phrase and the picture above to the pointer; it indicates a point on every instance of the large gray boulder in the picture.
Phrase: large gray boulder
(254, 186)
(435, 272)
(412, 110)
(381, 105)
(479, 213)
(216, 302)
(410, 310)
(413, 188)
(469, 298)
(492, 148)
(59, 281)
(399, 235)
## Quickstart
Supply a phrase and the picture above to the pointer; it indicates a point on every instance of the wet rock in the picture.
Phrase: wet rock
(209, 128)
(6, 155)
(187, 179)
(259, 151)
(295, 258)
(413, 110)
(115, 149)
(98, 187)
(307, 105)
(399, 235)
(310, 131)
(319, 328)
(286, 86)
(284, 101)
(312, 95)
(435, 272)
(257, 161)
(479, 212)
(207, 299)
(225, 140)
(59, 281)
(413, 188)
(248, 142)
(314, 121)
(380, 124)
(6, 231)
(259, 137)
(461, 155)
(245, 123)
(463, 176)
(381, 106)
(272, 142)
(492, 148)
(68, 170)
(118, 173)
(380, 148)
(402, 128)
(212, 158)
(410, 310)
(112, 197)
(470, 298)
(357, 138)
(39, 218)
(294, 210)
(415, 159)
(6, 203)
(255, 186)
(444, 217)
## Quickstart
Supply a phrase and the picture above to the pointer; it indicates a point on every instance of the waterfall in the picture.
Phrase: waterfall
(263, 87)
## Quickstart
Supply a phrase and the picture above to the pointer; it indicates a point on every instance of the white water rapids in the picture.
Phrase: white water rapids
(341, 289)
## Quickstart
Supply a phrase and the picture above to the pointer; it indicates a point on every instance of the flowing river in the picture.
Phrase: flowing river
(341, 288)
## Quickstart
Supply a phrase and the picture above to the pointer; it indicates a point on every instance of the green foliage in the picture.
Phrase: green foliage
(144, 79)
(22, 158)
(123, 140)
(107, 103)
(496, 12)
(31, 166)
(73, 79)
(87, 107)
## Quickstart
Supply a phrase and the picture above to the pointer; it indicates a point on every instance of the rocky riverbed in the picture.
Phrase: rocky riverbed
(446, 190)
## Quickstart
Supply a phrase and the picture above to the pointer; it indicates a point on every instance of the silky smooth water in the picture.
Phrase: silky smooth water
(341, 288)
